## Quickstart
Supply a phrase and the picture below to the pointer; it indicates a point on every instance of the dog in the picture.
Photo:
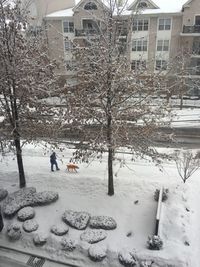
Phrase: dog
(72, 167)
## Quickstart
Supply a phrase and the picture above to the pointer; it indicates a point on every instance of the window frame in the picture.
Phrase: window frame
(162, 66)
(140, 45)
(138, 64)
(164, 26)
(69, 47)
(163, 47)
(68, 28)
(91, 6)
(140, 25)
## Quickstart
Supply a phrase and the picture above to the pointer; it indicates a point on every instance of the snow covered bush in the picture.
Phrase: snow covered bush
(68, 244)
(187, 163)
(127, 258)
(154, 242)
(39, 239)
(164, 195)
(14, 231)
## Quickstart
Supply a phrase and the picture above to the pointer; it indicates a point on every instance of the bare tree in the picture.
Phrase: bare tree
(112, 105)
(187, 163)
(26, 76)
(180, 80)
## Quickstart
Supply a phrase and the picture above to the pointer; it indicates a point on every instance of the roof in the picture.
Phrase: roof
(169, 6)
(61, 13)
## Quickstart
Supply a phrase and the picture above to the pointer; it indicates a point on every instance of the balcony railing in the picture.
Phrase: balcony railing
(86, 32)
(196, 51)
(191, 29)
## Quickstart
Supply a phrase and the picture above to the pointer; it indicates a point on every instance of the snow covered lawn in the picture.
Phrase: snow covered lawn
(133, 208)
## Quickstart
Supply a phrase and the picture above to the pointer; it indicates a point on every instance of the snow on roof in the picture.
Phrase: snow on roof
(170, 6)
(61, 13)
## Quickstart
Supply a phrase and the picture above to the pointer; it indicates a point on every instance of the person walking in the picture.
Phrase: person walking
(53, 161)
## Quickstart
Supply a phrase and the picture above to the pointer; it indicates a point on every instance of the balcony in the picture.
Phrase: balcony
(195, 29)
(195, 52)
(86, 32)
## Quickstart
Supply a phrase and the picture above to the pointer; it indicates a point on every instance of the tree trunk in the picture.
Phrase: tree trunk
(110, 172)
(22, 181)
(1, 221)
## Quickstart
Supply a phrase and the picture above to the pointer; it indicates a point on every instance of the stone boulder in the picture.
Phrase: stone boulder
(39, 239)
(127, 258)
(96, 252)
(3, 193)
(102, 222)
(78, 220)
(30, 226)
(17, 200)
(14, 231)
(60, 229)
(26, 213)
(45, 197)
(68, 244)
(93, 236)
(26, 197)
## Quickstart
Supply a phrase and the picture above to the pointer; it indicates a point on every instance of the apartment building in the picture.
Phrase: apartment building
(160, 30)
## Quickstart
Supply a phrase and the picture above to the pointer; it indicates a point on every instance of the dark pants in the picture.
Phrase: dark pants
(54, 163)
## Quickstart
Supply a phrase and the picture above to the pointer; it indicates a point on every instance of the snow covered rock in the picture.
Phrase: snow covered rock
(97, 252)
(60, 229)
(127, 258)
(68, 244)
(26, 214)
(14, 231)
(3, 193)
(45, 197)
(102, 222)
(39, 239)
(78, 220)
(93, 236)
(26, 197)
(30, 226)
(17, 200)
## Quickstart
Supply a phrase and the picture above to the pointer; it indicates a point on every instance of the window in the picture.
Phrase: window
(70, 65)
(140, 25)
(163, 45)
(90, 6)
(197, 20)
(138, 65)
(161, 64)
(139, 45)
(68, 26)
(142, 5)
(122, 45)
(68, 45)
(164, 24)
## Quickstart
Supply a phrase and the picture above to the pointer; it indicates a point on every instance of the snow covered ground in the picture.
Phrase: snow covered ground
(133, 207)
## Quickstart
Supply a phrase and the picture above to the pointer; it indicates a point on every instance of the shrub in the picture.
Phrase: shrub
(164, 195)
(154, 242)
